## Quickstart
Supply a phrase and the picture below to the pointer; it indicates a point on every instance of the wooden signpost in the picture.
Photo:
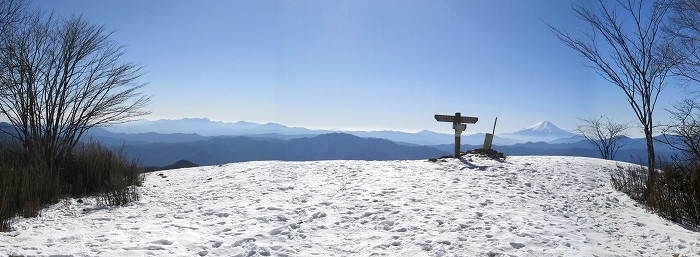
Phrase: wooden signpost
(457, 124)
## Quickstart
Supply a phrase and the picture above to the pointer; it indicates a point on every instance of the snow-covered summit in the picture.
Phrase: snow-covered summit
(543, 127)
(541, 131)
(524, 206)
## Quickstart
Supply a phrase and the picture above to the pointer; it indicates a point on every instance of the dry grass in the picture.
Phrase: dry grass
(675, 194)
(27, 183)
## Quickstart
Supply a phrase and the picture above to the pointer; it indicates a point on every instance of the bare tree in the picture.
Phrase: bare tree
(684, 130)
(63, 77)
(605, 135)
(684, 29)
(634, 57)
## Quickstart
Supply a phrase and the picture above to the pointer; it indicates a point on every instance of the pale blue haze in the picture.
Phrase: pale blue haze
(370, 65)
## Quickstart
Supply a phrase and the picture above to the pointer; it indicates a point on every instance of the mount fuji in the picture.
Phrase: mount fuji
(543, 131)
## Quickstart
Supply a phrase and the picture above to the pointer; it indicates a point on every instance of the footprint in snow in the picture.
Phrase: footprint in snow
(517, 245)
(163, 242)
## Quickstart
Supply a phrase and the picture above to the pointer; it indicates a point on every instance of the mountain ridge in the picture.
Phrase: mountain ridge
(208, 128)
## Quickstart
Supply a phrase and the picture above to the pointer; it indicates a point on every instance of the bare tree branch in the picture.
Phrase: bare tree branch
(684, 30)
(683, 133)
(11, 12)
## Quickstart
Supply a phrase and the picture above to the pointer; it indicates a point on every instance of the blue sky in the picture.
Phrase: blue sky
(360, 65)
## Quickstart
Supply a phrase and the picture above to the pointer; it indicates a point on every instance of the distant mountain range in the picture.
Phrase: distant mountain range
(206, 127)
(245, 141)
(189, 129)
(333, 146)
(220, 142)
(338, 146)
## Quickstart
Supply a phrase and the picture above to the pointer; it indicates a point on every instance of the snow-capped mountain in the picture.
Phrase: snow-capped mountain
(542, 131)
(543, 127)
(525, 206)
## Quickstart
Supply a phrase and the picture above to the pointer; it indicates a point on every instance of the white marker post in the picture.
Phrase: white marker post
(457, 125)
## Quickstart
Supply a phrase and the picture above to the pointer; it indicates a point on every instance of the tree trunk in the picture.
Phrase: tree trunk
(651, 158)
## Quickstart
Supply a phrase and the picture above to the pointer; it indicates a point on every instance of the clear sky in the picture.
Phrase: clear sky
(367, 65)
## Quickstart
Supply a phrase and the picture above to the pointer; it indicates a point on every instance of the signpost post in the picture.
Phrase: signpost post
(457, 124)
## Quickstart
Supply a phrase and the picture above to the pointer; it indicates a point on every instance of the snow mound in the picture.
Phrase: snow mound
(523, 206)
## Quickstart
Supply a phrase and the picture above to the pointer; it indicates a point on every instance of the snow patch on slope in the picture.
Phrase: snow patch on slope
(525, 206)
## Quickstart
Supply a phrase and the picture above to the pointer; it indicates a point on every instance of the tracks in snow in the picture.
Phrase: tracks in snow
(525, 206)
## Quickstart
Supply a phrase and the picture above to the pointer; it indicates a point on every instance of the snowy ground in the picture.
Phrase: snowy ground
(526, 206)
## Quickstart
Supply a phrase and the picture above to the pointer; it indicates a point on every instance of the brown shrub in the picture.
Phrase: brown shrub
(27, 183)
(676, 191)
